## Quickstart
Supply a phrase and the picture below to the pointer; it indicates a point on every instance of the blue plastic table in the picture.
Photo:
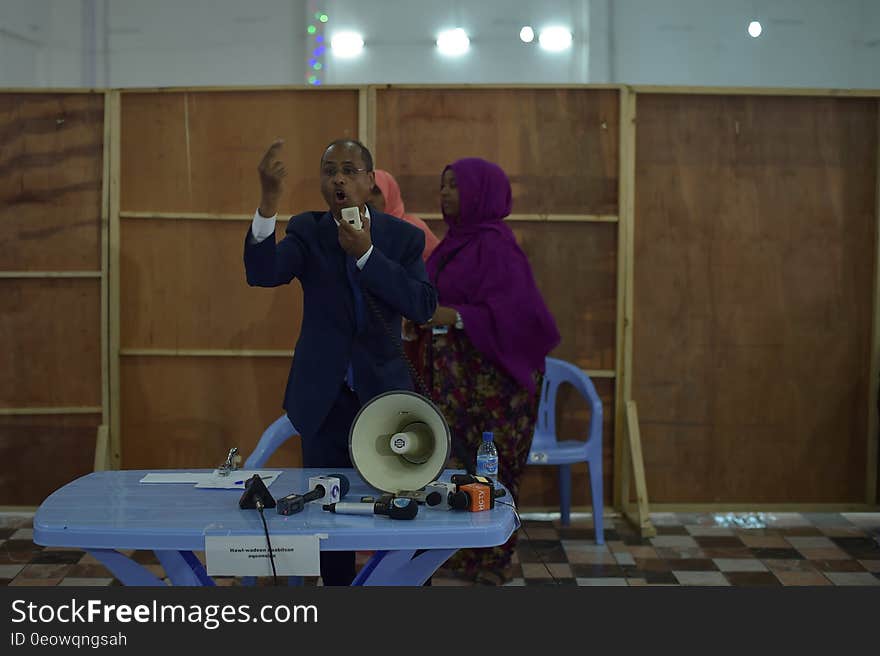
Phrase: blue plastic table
(104, 512)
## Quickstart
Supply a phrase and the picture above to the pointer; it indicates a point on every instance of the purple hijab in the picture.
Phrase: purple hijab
(487, 277)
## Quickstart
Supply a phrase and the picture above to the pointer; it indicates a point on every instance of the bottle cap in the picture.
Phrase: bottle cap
(488, 436)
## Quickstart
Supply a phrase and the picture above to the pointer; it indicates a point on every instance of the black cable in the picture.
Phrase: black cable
(535, 551)
(416, 377)
(268, 541)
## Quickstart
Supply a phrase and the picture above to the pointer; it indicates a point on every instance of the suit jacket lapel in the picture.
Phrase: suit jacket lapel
(377, 231)
(328, 234)
(328, 237)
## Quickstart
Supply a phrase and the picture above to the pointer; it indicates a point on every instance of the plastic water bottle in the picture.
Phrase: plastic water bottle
(487, 458)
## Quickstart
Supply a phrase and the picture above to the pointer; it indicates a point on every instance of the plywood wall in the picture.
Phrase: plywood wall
(755, 260)
(42, 453)
(51, 193)
(755, 240)
(558, 146)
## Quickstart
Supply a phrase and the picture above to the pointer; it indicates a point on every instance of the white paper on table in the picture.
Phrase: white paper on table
(236, 479)
(175, 477)
(212, 480)
(294, 555)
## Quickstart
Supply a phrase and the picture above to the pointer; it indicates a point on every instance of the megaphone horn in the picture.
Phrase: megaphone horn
(399, 441)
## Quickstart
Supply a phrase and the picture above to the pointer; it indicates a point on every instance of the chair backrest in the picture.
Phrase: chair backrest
(274, 436)
(556, 373)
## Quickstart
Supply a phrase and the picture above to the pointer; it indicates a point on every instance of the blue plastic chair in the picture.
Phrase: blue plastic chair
(278, 432)
(547, 449)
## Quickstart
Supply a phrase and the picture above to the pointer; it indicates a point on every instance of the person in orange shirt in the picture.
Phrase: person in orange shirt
(385, 197)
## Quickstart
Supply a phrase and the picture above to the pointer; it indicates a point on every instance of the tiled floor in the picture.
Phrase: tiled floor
(690, 549)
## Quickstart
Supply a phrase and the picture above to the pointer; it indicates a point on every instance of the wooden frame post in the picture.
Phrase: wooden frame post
(114, 441)
(627, 448)
(367, 118)
(638, 514)
(874, 367)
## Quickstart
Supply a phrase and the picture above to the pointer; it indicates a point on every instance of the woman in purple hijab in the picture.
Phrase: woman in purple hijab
(485, 372)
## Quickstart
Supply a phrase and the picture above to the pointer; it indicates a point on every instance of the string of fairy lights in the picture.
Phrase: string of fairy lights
(317, 46)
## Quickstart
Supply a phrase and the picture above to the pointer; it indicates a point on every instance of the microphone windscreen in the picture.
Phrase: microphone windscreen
(403, 508)
(479, 496)
(344, 485)
(459, 500)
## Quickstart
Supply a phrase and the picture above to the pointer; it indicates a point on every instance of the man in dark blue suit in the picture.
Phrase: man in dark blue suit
(356, 286)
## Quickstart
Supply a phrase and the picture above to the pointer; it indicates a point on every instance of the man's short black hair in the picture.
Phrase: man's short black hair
(365, 152)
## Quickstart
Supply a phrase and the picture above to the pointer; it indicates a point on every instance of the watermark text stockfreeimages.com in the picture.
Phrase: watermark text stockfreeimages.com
(210, 616)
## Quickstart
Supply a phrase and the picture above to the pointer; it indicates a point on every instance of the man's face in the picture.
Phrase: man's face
(345, 182)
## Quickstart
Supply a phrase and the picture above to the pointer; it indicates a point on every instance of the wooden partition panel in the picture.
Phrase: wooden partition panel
(205, 357)
(559, 148)
(51, 335)
(41, 453)
(575, 268)
(199, 151)
(51, 164)
(184, 287)
(181, 412)
(51, 200)
(755, 235)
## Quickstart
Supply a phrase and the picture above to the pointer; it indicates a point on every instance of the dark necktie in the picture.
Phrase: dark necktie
(358, 295)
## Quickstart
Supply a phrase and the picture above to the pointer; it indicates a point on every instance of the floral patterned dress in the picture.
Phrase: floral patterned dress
(475, 396)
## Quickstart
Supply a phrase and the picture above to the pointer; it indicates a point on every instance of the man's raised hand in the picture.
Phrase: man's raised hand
(272, 172)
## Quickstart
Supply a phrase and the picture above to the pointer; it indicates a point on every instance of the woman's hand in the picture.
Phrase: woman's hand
(443, 316)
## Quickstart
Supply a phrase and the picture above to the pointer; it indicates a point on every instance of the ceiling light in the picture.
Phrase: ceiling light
(555, 39)
(755, 29)
(453, 42)
(347, 44)
(527, 34)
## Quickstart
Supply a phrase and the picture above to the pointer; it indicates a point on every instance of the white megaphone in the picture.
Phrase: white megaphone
(399, 441)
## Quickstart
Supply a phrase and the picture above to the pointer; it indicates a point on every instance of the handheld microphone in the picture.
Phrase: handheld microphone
(434, 495)
(475, 497)
(388, 505)
(353, 216)
(326, 489)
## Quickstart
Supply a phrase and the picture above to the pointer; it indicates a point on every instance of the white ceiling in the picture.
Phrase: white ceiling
(814, 43)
